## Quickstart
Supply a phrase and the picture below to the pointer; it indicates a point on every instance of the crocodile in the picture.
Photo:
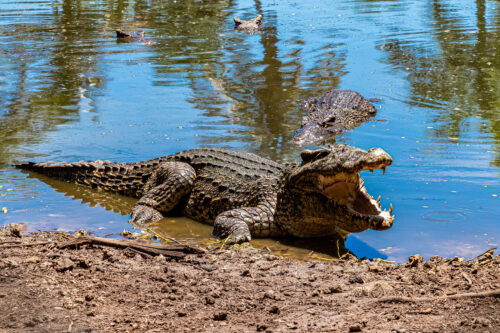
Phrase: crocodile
(242, 194)
(127, 37)
(331, 114)
(251, 26)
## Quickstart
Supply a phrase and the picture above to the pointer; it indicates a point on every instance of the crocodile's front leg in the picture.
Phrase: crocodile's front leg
(163, 191)
(240, 224)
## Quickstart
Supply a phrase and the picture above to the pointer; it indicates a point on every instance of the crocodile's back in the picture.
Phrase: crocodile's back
(338, 99)
(228, 163)
(226, 180)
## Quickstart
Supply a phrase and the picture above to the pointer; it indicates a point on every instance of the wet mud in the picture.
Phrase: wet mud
(48, 286)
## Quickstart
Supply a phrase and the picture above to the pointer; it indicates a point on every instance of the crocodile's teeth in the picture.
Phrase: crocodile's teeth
(378, 200)
(383, 170)
(390, 209)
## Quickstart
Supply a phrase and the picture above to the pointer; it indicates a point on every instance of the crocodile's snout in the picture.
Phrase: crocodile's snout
(376, 158)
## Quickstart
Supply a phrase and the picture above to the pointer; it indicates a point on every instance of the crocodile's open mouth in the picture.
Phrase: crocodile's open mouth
(349, 191)
(334, 172)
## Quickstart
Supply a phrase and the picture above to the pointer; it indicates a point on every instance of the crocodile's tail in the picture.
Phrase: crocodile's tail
(124, 178)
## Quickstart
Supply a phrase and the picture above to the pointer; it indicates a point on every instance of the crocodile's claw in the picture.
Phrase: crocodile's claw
(142, 214)
(233, 230)
(238, 239)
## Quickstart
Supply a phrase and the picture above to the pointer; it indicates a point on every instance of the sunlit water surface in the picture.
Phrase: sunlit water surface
(69, 91)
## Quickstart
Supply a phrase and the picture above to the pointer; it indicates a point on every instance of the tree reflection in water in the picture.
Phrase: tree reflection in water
(461, 80)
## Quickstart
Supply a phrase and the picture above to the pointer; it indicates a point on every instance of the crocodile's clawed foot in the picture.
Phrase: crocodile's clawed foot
(233, 230)
(143, 214)
(237, 239)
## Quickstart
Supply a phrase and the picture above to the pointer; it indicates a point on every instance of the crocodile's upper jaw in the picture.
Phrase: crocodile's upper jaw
(334, 172)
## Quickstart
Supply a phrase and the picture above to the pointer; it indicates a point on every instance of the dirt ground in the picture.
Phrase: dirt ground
(48, 287)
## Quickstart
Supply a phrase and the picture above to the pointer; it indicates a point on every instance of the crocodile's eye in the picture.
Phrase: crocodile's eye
(312, 155)
(329, 120)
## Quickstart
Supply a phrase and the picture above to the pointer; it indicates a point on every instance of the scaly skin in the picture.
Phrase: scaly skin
(331, 114)
(242, 194)
(250, 27)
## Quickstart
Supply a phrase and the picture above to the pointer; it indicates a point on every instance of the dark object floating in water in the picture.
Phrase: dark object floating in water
(331, 114)
(127, 37)
(250, 27)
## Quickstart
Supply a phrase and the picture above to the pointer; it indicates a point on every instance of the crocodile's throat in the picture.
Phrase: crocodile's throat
(349, 191)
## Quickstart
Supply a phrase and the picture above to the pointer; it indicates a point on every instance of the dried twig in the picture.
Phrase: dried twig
(10, 241)
(165, 238)
(24, 244)
(402, 299)
(486, 256)
(466, 277)
(491, 250)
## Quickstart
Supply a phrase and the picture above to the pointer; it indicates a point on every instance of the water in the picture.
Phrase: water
(69, 91)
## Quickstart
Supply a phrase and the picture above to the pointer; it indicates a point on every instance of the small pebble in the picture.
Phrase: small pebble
(274, 309)
(220, 316)
(355, 328)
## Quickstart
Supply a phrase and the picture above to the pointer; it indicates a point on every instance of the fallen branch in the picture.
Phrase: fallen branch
(402, 299)
(173, 251)
(24, 244)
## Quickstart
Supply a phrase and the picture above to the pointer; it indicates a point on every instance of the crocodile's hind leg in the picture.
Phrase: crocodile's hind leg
(163, 191)
(238, 225)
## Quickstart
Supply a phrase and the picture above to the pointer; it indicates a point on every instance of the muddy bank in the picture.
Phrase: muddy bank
(90, 287)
